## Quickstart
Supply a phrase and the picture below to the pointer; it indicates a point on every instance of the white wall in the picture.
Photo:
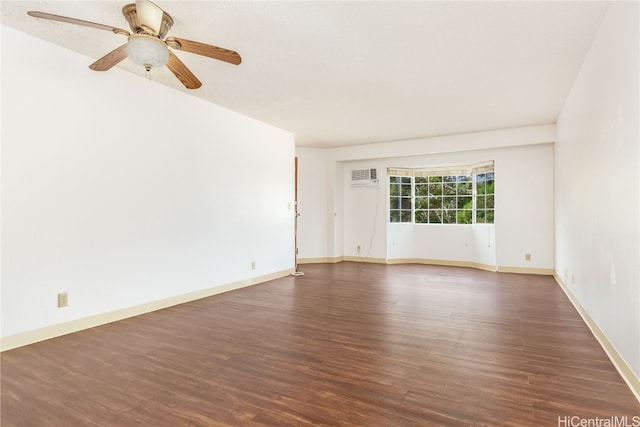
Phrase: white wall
(524, 207)
(120, 192)
(364, 213)
(358, 216)
(596, 188)
(432, 242)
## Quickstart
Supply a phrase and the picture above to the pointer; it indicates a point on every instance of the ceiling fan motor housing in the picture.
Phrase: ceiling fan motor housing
(130, 13)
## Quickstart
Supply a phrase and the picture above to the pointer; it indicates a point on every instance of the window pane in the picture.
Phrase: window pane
(421, 203)
(490, 187)
(489, 201)
(449, 203)
(394, 203)
(435, 202)
(465, 202)
(464, 188)
(480, 217)
(450, 189)
(435, 189)
(489, 218)
(394, 216)
(405, 216)
(449, 217)
(393, 179)
(449, 178)
(481, 187)
(421, 180)
(435, 217)
(422, 190)
(464, 216)
(405, 190)
(421, 217)
(394, 190)
(435, 179)
(405, 203)
(480, 202)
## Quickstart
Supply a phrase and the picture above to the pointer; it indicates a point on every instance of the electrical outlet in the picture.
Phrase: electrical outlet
(253, 265)
(527, 257)
(358, 249)
(63, 299)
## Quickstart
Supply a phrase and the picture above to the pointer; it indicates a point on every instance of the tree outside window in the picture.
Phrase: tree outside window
(464, 195)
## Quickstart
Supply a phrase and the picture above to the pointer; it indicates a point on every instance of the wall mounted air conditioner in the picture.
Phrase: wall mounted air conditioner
(364, 177)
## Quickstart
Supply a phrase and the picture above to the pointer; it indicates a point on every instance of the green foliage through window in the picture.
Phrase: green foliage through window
(400, 199)
(485, 184)
(427, 198)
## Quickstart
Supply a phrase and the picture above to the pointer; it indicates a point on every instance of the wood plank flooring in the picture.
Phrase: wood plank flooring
(347, 344)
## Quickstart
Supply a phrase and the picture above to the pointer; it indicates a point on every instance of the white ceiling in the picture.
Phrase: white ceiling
(340, 73)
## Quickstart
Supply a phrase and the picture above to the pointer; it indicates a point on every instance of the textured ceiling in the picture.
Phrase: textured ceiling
(345, 73)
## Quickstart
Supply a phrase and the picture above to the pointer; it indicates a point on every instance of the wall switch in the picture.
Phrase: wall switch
(527, 257)
(63, 299)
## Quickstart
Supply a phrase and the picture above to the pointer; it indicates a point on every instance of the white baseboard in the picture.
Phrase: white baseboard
(321, 260)
(335, 260)
(444, 262)
(52, 331)
(627, 374)
(364, 259)
(453, 263)
(520, 270)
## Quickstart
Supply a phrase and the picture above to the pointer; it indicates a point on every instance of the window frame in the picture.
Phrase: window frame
(420, 206)
(400, 207)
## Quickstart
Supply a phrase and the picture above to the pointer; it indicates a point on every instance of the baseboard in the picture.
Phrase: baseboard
(627, 374)
(364, 259)
(450, 263)
(520, 270)
(322, 260)
(48, 332)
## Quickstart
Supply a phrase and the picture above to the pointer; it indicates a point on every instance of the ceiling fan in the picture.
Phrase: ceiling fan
(147, 44)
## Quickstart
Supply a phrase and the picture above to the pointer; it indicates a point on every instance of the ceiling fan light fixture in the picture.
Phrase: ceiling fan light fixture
(147, 44)
(148, 51)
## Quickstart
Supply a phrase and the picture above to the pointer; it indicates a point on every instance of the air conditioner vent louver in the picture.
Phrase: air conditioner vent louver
(364, 177)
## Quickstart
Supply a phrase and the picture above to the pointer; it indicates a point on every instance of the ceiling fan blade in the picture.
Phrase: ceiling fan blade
(110, 59)
(68, 20)
(177, 67)
(149, 15)
(204, 49)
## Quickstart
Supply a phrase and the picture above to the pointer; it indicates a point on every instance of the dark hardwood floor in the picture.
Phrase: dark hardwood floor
(348, 344)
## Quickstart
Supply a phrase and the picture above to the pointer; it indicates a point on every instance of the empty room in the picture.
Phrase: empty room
(320, 213)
